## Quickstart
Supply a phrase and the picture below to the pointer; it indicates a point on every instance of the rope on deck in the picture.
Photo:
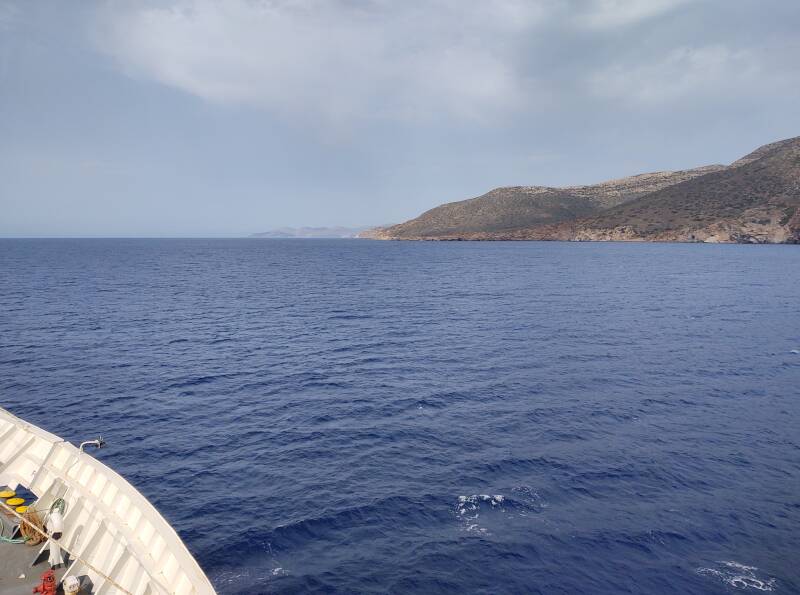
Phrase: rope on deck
(75, 556)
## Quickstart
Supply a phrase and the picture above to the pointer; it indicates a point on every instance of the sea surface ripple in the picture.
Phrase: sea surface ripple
(379, 417)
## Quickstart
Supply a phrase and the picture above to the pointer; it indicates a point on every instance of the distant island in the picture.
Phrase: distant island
(311, 232)
(753, 200)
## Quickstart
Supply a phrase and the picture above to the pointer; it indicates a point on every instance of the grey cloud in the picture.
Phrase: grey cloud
(370, 59)
(341, 61)
(336, 59)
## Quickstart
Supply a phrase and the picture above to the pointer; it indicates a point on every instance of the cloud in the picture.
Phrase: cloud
(338, 59)
(710, 72)
(605, 14)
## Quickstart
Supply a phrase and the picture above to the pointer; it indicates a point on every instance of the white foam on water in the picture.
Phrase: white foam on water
(532, 500)
(525, 502)
(468, 510)
(795, 351)
(739, 576)
(248, 575)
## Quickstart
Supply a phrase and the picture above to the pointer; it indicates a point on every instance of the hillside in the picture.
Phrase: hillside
(508, 209)
(755, 199)
(500, 210)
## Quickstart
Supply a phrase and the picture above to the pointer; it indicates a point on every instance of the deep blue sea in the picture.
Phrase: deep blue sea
(345, 416)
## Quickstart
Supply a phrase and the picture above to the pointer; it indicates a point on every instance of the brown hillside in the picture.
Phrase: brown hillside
(504, 210)
(755, 199)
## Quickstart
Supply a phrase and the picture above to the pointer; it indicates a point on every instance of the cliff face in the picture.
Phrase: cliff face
(755, 199)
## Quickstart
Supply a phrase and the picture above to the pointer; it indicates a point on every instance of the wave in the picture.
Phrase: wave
(739, 576)
(468, 509)
(409, 511)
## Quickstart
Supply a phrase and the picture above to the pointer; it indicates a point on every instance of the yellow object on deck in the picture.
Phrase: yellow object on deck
(21, 509)
(7, 494)
(15, 501)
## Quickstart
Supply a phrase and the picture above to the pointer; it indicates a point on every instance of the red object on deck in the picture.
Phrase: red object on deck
(48, 586)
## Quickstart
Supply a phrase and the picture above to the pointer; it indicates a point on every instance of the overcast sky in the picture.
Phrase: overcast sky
(203, 118)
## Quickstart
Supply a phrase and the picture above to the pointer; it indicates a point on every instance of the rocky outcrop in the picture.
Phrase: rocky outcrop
(754, 200)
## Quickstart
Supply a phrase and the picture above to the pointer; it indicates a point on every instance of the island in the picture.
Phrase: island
(753, 200)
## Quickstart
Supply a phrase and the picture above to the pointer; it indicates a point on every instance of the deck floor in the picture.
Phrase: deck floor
(15, 560)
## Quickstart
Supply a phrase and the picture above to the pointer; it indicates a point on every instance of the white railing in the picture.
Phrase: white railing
(112, 533)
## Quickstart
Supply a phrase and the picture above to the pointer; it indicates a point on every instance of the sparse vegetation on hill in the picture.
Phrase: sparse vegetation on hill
(755, 199)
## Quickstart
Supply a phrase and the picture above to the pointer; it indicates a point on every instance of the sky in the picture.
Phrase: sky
(202, 118)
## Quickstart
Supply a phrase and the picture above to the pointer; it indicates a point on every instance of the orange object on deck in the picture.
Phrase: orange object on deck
(48, 586)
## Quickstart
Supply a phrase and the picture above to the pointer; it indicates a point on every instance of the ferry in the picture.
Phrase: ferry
(70, 524)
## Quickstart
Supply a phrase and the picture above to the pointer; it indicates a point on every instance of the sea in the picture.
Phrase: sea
(356, 416)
